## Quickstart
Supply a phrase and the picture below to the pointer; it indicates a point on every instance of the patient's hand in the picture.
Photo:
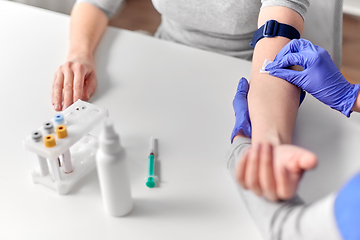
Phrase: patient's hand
(76, 79)
(274, 172)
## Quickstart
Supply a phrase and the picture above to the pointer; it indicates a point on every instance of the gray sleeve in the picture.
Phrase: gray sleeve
(299, 6)
(285, 219)
(109, 7)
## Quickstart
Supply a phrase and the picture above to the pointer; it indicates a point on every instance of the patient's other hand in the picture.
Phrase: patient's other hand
(274, 172)
(76, 79)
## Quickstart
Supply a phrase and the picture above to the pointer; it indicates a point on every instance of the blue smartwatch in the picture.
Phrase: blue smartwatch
(273, 28)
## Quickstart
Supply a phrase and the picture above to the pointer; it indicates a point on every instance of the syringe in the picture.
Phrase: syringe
(151, 178)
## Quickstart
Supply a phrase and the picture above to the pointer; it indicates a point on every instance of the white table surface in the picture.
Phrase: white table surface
(182, 96)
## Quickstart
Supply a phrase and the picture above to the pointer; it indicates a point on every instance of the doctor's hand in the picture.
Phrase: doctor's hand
(273, 172)
(240, 105)
(74, 80)
(320, 76)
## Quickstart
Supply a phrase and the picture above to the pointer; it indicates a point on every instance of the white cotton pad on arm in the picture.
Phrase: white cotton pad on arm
(266, 62)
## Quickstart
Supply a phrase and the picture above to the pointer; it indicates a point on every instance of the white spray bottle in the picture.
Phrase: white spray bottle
(113, 173)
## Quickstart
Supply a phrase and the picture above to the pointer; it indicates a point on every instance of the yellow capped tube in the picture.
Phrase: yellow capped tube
(61, 131)
(49, 141)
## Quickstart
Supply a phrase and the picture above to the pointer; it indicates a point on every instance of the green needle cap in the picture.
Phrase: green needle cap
(150, 182)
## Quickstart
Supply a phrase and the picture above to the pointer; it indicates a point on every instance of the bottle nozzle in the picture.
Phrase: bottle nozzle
(109, 139)
(108, 130)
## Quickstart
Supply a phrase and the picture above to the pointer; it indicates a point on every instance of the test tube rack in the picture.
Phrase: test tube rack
(80, 118)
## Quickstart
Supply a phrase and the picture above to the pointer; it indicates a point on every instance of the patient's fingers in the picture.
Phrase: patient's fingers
(266, 172)
(252, 171)
(241, 168)
(286, 182)
(90, 86)
(68, 86)
(57, 90)
(79, 75)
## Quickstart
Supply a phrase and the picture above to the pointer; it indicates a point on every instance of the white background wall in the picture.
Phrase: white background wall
(352, 7)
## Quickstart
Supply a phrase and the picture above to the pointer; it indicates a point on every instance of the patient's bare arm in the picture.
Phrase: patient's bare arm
(273, 105)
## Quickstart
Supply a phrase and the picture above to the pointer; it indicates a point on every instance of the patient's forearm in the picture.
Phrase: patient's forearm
(88, 24)
(273, 103)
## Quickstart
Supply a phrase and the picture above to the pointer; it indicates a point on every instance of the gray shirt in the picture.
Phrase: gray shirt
(223, 26)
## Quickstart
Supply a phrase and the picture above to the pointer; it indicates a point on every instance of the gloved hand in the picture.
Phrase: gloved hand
(242, 119)
(320, 77)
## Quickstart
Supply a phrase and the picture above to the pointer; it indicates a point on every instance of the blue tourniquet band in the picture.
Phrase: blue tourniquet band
(273, 28)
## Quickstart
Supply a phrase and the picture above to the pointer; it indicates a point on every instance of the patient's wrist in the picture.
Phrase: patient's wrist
(271, 136)
(356, 106)
(239, 134)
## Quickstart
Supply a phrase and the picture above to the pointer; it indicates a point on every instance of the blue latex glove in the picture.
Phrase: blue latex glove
(240, 104)
(347, 209)
(320, 77)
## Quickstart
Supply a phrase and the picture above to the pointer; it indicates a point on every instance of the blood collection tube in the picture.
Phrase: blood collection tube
(61, 132)
(59, 119)
(44, 168)
(49, 142)
(48, 127)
